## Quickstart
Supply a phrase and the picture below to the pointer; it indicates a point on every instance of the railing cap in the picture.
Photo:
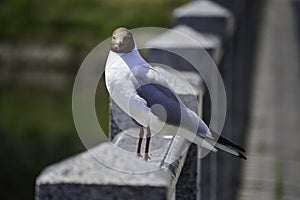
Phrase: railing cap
(105, 164)
(185, 37)
(201, 8)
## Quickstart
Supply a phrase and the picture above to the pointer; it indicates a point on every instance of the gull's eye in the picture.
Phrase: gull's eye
(113, 37)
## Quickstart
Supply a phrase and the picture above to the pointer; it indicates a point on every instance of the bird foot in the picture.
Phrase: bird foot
(147, 157)
(139, 155)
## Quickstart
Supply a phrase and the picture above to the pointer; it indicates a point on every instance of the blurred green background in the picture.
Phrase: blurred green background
(42, 44)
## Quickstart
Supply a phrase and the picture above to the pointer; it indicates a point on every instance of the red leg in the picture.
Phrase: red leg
(147, 144)
(141, 135)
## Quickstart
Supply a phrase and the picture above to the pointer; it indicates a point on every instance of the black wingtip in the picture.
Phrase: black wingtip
(224, 141)
(240, 148)
(242, 156)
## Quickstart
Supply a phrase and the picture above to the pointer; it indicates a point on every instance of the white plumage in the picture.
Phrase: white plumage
(124, 73)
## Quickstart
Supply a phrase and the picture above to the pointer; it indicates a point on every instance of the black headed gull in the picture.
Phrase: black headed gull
(141, 92)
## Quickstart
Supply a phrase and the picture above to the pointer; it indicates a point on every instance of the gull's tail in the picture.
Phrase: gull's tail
(227, 146)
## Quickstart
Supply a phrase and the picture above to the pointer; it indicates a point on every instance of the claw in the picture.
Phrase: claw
(147, 157)
(139, 155)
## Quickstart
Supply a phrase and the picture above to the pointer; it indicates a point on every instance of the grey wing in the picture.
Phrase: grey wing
(154, 94)
(156, 91)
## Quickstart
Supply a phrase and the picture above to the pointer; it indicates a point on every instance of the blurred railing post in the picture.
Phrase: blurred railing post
(236, 22)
